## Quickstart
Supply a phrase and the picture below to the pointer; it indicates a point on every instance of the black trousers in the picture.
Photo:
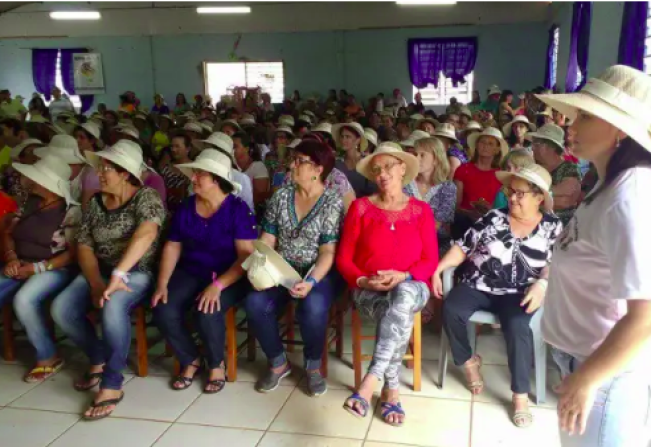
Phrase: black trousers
(459, 306)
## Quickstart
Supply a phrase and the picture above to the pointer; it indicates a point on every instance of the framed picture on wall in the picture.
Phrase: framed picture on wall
(88, 73)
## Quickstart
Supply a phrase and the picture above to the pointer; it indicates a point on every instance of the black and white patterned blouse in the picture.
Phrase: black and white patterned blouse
(299, 242)
(501, 264)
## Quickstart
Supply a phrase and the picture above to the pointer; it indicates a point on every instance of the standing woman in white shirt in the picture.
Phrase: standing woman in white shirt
(598, 306)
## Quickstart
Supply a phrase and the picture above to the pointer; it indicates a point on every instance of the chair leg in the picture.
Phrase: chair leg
(417, 351)
(9, 349)
(141, 342)
(340, 313)
(289, 319)
(472, 336)
(357, 347)
(176, 369)
(231, 346)
(324, 358)
(250, 343)
(410, 348)
(443, 359)
(540, 366)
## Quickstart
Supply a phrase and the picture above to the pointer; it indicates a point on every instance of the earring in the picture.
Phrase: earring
(314, 178)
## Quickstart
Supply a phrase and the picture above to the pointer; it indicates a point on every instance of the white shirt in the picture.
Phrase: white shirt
(379, 106)
(60, 105)
(602, 260)
(399, 101)
(257, 170)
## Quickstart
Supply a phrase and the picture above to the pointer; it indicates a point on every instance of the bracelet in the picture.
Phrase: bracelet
(217, 283)
(543, 283)
(124, 276)
(311, 280)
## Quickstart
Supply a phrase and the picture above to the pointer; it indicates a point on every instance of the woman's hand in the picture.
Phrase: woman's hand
(11, 268)
(209, 300)
(576, 398)
(533, 298)
(437, 285)
(96, 291)
(115, 284)
(301, 289)
(160, 295)
(25, 270)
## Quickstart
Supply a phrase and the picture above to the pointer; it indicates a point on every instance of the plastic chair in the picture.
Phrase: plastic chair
(484, 317)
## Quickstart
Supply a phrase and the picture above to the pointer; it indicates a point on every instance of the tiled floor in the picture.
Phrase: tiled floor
(153, 415)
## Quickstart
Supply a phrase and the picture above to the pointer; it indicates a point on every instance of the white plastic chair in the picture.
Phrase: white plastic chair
(484, 317)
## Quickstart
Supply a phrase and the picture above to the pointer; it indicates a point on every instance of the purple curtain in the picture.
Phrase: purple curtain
(579, 44)
(550, 66)
(633, 34)
(44, 64)
(428, 58)
(68, 76)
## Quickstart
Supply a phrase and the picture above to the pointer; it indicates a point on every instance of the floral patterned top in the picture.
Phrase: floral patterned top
(177, 186)
(336, 181)
(299, 242)
(11, 185)
(442, 198)
(502, 264)
(109, 232)
(457, 152)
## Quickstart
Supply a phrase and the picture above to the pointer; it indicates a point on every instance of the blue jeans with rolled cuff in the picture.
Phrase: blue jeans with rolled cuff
(264, 307)
(70, 310)
(183, 290)
(28, 299)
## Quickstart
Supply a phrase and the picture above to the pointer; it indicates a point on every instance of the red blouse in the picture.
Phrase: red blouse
(477, 184)
(374, 239)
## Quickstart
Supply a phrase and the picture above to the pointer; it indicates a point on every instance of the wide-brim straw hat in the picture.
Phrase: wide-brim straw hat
(286, 121)
(472, 125)
(125, 153)
(193, 126)
(51, 173)
(489, 132)
(465, 111)
(231, 123)
(64, 147)
(518, 119)
(213, 161)
(494, 90)
(323, 127)
(18, 149)
(394, 150)
(414, 137)
(267, 269)
(621, 96)
(432, 121)
(355, 127)
(285, 129)
(446, 130)
(550, 132)
(371, 135)
(127, 130)
(536, 175)
(92, 128)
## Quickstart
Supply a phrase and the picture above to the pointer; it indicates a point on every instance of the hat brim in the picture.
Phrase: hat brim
(278, 261)
(37, 176)
(531, 135)
(506, 177)
(336, 135)
(472, 142)
(70, 160)
(186, 169)
(445, 135)
(364, 165)
(95, 159)
(570, 103)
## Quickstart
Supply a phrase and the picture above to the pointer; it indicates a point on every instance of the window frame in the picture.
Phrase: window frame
(441, 90)
(281, 94)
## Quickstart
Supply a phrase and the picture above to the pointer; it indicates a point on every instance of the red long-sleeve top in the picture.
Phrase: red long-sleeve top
(374, 239)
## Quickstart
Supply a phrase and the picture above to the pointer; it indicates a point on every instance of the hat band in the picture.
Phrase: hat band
(618, 98)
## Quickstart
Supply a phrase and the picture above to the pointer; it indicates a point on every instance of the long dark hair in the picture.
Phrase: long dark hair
(629, 155)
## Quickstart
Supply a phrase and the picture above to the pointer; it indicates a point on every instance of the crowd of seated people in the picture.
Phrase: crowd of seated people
(165, 206)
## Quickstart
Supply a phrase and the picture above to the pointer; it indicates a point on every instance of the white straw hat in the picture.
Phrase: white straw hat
(371, 135)
(393, 149)
(323, 127)
(355, 127)
(546, 112)
(413, 137)
(472, 125)
(267, 269)
(213, 161)
(51, 173)
(446, 130)
(621, 96)
(465, 111)
(534, 174)
(494, 90)
(550, 132)
(92, 128)
(231, 123)
(64, 147)
(416, 117)
(125, 129)
(247, 120)
(518, 119)
(193, 126)
(489, 132)
(432, 121)
(286, 130)
(286, 121)
(125, 153)
(305, 119)
(218, 139)
(16, 150)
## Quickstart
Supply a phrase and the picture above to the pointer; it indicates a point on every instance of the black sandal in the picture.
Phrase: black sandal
(104, 403)
(89, 378)
(184, 381)
(219, 383)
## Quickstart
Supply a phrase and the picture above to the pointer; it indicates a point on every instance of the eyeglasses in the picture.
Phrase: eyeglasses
(105, 168)
(300, 161)
(377, 170)
(198, 172)
(518, 194)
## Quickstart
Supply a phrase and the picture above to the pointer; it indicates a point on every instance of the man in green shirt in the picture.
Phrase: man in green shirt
(11, 108)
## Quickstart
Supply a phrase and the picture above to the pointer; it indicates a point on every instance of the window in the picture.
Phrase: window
(440, 96)
(554, 64)
(647, 43)
(221, 78)
(58, 81)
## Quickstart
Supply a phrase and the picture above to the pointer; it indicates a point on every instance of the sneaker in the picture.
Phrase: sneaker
(271, 380)
(316, 384)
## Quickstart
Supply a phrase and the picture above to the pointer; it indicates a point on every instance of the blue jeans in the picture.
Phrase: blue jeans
(183, 289)
(29, 297)
(263, 309)
(621, 411)
(70, 310)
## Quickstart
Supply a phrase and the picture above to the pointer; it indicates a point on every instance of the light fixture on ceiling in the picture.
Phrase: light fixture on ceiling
(426, 2)
(224, 10)
(75, 15)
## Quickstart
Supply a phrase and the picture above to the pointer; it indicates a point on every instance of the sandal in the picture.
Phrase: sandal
(475, 386)
(184, 381)
(356, 398)
(104, 403)
(388, 409)
(219, 383)
(88, 381)
(521, 419)
(41, 373)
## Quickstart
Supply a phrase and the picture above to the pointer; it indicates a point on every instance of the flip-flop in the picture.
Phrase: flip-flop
(104, 403)
(388, 409)
(41, 373)
(352, 410)
(88, 378)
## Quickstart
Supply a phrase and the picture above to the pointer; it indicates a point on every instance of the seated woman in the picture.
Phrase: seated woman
(515, 132)
(508, 263)
(10, 179)
(247, 156)
(389, 280)
(513, 162)
(38, 255)
(176, 183)
(211, 234)
(116, 249)
(352, 143)
(302, 222)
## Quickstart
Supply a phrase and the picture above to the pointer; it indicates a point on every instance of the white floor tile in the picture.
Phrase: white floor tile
(322, 416)
(237, 406)
(29, 428)
(202, 436)
(455, 387)
(383, 444)
(492, 348)
(12, 385)
(252, 371)
(112, 432)
(292, 440)
(429, 422)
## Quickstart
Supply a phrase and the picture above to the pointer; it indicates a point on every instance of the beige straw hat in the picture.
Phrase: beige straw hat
(488, 132)
(536, 175)
(285, 129)
(213, 161)
(472, 125)
(267, 269)
(393, 149)
(550, 132)
(231, 123)
(286, 121)
(432, 121)
(64, 147)
(518, 119)
(323, 127)
(371, 135)
(125, 153)
(17, 150)
(355, 127)
(51, 173)
(446, 130)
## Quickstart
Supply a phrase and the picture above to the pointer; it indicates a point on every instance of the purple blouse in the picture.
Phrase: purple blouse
(208, 245)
